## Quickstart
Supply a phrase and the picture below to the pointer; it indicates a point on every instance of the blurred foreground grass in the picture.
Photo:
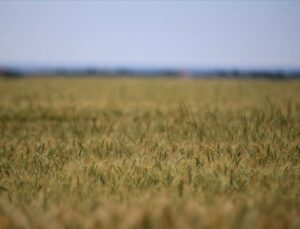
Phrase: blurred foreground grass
(134, 153)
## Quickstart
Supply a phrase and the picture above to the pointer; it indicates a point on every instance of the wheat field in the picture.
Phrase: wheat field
(149, 153)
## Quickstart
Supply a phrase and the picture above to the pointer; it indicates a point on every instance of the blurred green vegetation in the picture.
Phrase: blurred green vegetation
(142, 153)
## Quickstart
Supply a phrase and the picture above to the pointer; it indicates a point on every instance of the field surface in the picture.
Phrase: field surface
(138, 153)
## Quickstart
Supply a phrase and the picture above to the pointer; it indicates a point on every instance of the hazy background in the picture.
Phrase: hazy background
(242, 34)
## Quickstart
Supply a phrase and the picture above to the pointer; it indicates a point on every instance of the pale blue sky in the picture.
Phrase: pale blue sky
(151, 33)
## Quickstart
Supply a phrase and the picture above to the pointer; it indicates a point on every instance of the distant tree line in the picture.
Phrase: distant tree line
(131, 72)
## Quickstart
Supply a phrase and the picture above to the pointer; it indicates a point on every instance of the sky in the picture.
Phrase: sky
(226, 34)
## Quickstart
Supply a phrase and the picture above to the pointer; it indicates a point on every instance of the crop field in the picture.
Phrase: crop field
(149, 153)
